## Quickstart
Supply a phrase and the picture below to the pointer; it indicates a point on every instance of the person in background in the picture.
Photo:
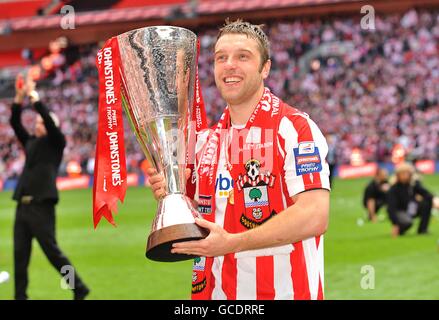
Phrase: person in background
(374, 197)
(36, 192)
(407, 199)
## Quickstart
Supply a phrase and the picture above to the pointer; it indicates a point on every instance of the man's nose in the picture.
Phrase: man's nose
(230, 63)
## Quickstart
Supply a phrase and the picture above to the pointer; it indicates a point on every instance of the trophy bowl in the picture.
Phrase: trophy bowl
(158, 66)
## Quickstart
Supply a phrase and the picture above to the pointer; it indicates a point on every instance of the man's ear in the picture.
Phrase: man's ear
(266, 69)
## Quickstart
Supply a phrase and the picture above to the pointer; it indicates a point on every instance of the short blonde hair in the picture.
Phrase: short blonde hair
(251, 31)
(404, 167)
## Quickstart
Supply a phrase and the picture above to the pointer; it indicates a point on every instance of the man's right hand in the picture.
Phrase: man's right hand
(20, 89)
(158, 183)
(30, 90)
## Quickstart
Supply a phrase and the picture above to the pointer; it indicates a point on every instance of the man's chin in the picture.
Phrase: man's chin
(231, 97)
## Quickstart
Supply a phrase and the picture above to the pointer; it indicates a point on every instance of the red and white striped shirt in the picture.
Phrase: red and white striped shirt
(294, 271)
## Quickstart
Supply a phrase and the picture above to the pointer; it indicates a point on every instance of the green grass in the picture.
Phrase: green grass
(111, 260)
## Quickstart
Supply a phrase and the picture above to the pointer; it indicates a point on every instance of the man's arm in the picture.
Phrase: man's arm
(419, 189)
(392, 206)
(54, 134)
(371, 208)
(369, 200)
(15, 120)
(307, 218)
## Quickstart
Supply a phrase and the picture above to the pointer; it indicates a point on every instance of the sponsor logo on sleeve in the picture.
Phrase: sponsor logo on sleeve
(306, 147)
(307, 158)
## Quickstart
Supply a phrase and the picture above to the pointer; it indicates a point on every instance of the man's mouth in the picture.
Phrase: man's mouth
(232, 80)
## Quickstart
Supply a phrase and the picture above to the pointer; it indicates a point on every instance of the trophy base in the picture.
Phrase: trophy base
(160, 241)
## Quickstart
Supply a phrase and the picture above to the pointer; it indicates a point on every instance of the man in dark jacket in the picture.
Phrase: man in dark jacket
(36, 193)
(408, 199)
(374, 197)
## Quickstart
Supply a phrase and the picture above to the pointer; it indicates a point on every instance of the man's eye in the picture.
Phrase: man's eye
(221, 58)
(243, 57)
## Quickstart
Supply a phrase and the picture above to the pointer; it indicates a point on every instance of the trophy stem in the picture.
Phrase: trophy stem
(172, 142)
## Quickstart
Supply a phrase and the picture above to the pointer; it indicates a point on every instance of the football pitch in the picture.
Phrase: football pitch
(112, 263)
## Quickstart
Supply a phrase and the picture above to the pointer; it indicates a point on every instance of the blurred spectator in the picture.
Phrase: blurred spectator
(374, 197)
(407, 199)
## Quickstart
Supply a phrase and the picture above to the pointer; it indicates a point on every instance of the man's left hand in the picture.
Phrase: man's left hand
(218, 243)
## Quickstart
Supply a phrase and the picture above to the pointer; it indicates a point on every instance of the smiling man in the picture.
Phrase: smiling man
(265, 197)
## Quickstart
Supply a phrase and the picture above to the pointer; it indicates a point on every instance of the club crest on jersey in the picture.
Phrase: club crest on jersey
(197, 287)
(194, 277)
(199, 263)
(255, 186)
(307, 158)
(197, 274)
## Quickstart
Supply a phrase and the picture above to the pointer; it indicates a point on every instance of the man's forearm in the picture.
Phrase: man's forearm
(15, 119)
(45, 115)
(296, 223)
(307, 218)
(16, 124)
(371, 207)
(18, 99)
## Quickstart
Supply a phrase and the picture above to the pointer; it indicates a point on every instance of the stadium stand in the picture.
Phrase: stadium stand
(382, 91)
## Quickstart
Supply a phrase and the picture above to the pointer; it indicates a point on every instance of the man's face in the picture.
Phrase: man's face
(40, 129)
(382, 176)
(237, 68)
(404, 177)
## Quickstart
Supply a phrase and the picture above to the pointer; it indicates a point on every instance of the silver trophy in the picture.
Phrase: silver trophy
(158, 66)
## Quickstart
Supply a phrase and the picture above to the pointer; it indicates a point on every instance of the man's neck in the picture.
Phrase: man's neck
(240, 113)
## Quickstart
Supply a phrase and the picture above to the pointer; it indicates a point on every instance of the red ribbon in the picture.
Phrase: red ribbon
(198, 123)
(199, 111)
(110, 182)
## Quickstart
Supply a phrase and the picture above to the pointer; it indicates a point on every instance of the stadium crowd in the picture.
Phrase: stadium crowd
(382, 90)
